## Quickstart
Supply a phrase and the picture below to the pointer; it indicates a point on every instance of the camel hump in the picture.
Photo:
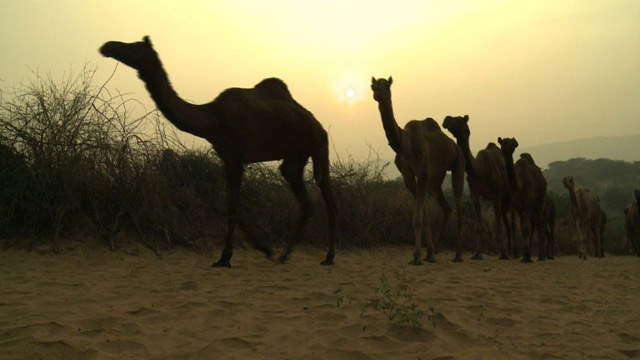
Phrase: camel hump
(528, 158)
(492, 146)
(275, 88)
(431, 124)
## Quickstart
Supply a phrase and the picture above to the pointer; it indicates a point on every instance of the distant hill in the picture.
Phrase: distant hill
(625, 148)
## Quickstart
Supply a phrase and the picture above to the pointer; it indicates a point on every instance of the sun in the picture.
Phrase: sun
(350, 93)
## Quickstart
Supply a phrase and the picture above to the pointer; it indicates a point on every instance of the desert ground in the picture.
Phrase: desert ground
(87, 302)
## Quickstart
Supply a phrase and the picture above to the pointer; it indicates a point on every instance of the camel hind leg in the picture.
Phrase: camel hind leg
(321, 167)
(479, 227)
(421, 222)
(292, 169)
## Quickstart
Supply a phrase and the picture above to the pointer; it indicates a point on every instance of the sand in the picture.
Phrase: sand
(89, 303)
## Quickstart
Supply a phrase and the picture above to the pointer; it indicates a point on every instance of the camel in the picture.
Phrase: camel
(486, 177)
(587, 216)
(423, 156)
(263, 123)
(528, 189)
(632, 223)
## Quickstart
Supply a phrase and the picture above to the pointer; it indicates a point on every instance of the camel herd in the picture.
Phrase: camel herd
(266, 123)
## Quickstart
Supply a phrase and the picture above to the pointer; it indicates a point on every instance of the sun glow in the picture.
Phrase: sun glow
(350, 93)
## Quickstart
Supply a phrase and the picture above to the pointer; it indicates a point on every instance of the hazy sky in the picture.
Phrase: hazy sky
(542, 71)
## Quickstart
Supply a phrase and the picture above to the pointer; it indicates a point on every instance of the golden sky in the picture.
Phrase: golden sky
(541, 71)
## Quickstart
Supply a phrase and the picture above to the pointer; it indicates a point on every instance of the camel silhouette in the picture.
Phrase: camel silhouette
(632, 223)
(423, 156)
(587, 217)
(263, 123)
(486, 177)
(528, 189)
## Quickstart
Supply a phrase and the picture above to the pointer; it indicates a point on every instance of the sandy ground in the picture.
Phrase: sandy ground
(89, 303)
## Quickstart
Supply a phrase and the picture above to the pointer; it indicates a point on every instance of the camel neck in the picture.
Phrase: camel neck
(391, 128)
(572, 199)
(183, 115)
(511, 171)
(469, 160)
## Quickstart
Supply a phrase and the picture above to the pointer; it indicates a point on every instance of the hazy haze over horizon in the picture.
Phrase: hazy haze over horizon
(544, 71)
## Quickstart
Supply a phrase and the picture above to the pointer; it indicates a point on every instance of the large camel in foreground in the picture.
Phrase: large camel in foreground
(528, 189)
(423, 156)
(244, 126)
(587, 216)
(487, 178)
(632, 223)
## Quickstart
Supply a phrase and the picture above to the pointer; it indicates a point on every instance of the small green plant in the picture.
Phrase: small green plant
(396, 301)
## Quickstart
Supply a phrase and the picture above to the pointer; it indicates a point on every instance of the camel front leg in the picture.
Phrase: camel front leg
(526, 252)
(598, 243)
(446, 213)
(500, 213)
(582, 247)
(542, 238)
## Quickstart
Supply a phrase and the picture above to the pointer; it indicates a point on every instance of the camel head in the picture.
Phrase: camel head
(381, 88)
(508, 145)
(138, 55)
(568, 183)
(458, 126)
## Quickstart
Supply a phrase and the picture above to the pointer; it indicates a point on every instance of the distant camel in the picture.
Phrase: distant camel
(587, 215)
(632, 223)
(487, 177)
(244, 126)
(528, 189)
(423, 156)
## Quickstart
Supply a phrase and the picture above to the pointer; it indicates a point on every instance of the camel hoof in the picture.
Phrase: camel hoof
(221, 263)
(430, 259)
(504, 256)
(327, 262)
(477, 256)
(526, 259)
(457, 259)
(416, 261)
(542, 259)
(268, 253)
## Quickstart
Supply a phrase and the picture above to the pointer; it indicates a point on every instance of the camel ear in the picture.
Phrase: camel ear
(466, 118)
(147, 40)
(390, 80)
(373, 80)
(499, 140)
